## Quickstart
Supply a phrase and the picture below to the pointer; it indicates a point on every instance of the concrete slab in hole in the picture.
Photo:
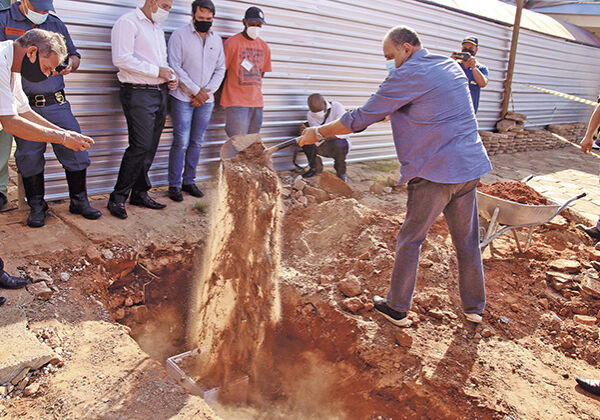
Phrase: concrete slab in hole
(19, 347)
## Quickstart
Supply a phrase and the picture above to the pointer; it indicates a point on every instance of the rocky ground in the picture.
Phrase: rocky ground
(110, 301)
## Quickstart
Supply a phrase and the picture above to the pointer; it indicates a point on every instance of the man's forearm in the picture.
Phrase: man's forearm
(334, 128)
(75, 62)
(35, 118)
(481, 80)
(28, 129)
(594, 123)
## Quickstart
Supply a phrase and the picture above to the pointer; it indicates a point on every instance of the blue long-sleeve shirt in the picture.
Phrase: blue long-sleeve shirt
(433, 122)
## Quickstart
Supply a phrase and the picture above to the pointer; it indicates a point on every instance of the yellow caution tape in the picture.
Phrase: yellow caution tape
(565, 95)
(573, 144)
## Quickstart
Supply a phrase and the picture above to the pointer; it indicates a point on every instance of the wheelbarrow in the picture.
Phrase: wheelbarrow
(511, 215)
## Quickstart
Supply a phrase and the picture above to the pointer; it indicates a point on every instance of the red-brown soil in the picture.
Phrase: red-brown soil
(516, 191)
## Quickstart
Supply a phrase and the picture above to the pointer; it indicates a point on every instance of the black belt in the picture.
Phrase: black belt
(46, 99)
(142, 86)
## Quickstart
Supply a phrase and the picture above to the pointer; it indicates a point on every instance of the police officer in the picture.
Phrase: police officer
(47, 98)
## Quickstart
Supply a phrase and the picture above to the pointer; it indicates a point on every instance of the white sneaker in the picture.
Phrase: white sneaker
(474, 318)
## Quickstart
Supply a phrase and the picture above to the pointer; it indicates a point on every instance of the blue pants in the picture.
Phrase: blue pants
(242, 120)
(29, 155)
(426, 200)
(189, 125)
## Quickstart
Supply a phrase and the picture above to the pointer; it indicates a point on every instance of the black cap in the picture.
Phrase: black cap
(472, 40)
(254, 14)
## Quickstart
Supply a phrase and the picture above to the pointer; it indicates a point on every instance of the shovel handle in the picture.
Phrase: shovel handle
(279, 146)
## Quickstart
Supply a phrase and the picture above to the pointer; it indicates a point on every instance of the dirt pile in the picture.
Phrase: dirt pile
(516, 191)
(236, 297)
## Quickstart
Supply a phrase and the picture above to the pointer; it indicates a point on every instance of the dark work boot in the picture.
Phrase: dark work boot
(78, 195)
(34, 191)
(10, 282)
(3, 200)
(314, 161)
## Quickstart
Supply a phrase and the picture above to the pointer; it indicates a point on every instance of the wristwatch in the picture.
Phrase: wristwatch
(319, 135)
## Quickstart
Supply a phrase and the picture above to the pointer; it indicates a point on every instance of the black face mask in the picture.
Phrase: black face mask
(469, 51)
(202, 25)
(32, 72)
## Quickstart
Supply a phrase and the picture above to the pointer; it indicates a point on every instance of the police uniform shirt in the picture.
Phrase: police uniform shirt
(12, 98)
(13, 24)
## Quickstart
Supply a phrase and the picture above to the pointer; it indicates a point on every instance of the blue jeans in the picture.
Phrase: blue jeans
(426, 200)
(242, 120)
(189, 125)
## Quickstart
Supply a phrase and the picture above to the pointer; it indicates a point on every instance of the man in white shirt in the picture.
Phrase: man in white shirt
(196, 55)
(139, 51)
(35, 56)
(336, 147)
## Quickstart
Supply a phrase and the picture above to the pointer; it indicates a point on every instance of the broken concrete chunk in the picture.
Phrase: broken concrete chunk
(299, 183)
(350, 287)
(504, 125)
(40, 290)
(32, 389)
(107, 254)
(353, 304)
(38, 275)
(65, 276)
(566, 266)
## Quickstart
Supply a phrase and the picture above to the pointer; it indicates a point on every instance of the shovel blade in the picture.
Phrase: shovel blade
(236, 144)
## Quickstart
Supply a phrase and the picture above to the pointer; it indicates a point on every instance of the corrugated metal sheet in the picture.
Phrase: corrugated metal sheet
(327, 46)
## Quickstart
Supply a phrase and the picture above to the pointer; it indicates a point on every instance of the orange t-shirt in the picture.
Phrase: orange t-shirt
(246, 60)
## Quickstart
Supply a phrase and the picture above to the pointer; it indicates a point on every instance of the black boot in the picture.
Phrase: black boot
(3, 200)
(10, 282)
(34, 191)
(314, 161)
(78, 195)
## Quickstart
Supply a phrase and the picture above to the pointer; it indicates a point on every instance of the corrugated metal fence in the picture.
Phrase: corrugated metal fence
(327, 46)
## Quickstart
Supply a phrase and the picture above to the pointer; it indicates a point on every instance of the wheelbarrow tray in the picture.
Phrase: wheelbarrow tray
(513, 214)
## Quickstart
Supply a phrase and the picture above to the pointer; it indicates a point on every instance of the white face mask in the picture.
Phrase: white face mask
(36, 18)
(390, 65)
(253, 31)
(321, 114)
(160, 16)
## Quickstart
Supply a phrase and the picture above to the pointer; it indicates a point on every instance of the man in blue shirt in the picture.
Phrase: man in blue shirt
(476, 73)
(47, 98)
(442, 157)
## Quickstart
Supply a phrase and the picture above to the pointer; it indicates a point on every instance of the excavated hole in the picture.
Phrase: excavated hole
(310, 373)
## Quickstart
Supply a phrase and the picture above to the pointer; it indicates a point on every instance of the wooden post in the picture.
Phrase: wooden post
(512, 58)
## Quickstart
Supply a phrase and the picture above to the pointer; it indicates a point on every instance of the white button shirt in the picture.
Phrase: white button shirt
(12, 98)
(337, 110)
(139, 48)
(197, 63)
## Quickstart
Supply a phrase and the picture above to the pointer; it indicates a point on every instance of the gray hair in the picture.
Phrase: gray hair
(46, 42)
(401, 34)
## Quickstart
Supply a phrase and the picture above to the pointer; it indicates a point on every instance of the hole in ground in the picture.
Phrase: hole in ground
(313, 370)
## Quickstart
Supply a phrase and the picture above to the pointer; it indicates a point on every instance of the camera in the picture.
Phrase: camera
(60, 67)
(464, 56)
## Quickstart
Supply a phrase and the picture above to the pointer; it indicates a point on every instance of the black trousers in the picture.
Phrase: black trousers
(333, 148)
(146, 112)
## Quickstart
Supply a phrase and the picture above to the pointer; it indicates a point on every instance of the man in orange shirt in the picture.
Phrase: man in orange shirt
(247, 59)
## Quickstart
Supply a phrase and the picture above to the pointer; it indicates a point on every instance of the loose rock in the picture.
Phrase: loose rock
(31, 389)
(403, 338)
(566, 266)
(353, 304)
(376, 188)
(585, 320)
(40, 290)
(350, 287)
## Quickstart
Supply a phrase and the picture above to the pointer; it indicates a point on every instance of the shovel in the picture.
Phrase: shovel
(236, 144)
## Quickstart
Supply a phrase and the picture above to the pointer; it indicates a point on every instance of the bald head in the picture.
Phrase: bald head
(316, 102)
(400, 43)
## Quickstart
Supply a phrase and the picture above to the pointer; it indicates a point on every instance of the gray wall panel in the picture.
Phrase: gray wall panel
(329, 46)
